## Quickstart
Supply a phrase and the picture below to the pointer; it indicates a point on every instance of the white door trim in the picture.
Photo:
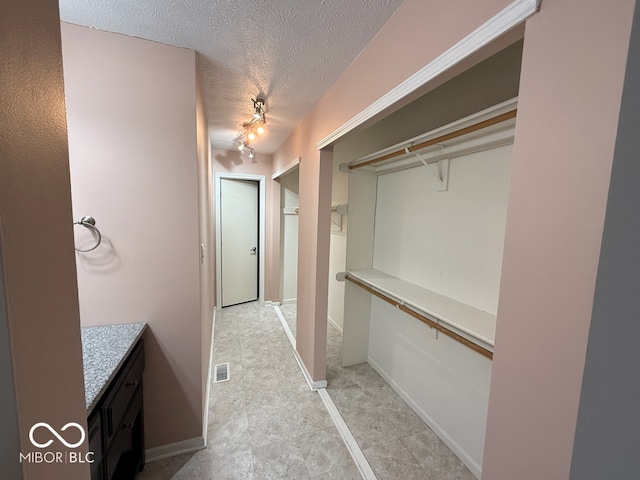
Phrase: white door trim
(286, 169)
(512, 15)
(261, 231)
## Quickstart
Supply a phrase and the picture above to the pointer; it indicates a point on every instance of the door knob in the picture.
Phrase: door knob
(253, 250)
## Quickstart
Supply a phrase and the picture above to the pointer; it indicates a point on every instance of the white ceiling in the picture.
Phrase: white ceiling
(288, 51)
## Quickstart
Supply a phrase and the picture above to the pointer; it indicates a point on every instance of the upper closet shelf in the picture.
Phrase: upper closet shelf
(489, 128)
(468, 322)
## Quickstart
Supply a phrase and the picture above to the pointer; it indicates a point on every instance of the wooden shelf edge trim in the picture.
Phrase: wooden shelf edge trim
(442, 138)
(422, 318)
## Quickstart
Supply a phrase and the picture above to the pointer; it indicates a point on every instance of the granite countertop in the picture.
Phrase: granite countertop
(104, 350)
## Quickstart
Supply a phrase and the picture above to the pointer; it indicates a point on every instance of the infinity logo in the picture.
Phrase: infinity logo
(62, 440)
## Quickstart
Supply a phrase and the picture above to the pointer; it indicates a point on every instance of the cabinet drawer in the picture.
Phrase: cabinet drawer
(120, 397)
(123, 455)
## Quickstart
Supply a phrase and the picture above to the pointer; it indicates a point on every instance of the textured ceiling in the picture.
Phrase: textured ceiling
(288, 51)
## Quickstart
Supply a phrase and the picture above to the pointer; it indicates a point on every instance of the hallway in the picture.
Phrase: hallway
(265, 423)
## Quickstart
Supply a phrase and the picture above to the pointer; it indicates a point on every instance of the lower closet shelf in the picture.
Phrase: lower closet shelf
(466, 324)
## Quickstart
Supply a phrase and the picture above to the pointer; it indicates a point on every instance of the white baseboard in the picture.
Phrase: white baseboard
(471, 464)
(285, 327)
(287, 301)
(334, 323)
(292, 340)
(269, 303)
(173, 449)
(205, 417)
(307, 376)
(352, 445)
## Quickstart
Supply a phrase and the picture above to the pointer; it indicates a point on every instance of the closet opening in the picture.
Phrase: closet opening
(289, 180)
(417, 276)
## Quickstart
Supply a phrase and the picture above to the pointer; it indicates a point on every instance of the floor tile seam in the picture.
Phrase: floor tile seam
(383, 444)
(297, 448)
(340, 467)
(415, 459)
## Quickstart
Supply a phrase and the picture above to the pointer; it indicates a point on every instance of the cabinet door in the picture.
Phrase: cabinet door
(123, 457)
(95, 445)
(120, 397)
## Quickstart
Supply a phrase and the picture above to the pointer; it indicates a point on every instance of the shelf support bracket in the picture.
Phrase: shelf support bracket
(440, 169)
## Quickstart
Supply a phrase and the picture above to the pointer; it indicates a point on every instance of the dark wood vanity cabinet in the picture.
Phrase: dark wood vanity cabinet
(116, 429)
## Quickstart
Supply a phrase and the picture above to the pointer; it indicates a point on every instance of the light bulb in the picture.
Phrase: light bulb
(260, 130)
(257, 114)
(251, 154)
(251, 136)
(241, 147)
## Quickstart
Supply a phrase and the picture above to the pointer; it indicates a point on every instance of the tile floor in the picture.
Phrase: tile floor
(288, 311)
(264, 423)
(394, 440)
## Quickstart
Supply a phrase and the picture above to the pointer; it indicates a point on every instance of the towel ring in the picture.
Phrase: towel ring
(90, 223)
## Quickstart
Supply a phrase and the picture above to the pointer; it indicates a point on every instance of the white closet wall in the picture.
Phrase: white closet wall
(449, 242)
(443, 381)
(289, 234)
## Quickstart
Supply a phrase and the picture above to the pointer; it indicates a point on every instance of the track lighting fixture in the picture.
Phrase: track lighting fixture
(252, 129)
(258, 106)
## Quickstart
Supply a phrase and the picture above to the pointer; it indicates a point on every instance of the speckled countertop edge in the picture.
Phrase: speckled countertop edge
(104, 350)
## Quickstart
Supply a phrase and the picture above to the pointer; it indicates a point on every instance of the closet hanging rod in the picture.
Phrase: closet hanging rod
(422, 318)
(442, 138)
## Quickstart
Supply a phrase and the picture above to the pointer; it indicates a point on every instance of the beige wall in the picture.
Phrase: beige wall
(36, 237)
(230, 161)
(572, 76)
(133, 145)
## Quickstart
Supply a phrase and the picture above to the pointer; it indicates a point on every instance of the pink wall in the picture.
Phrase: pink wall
(573, 67)
(416, 34)
(36, 237)
(571, 85)
(131, 108)
(230, 161)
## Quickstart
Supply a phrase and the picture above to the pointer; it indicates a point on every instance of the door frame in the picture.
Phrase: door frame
(218, 176)
(295, 163)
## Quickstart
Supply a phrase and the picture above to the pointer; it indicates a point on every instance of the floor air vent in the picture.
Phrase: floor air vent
(221, 373)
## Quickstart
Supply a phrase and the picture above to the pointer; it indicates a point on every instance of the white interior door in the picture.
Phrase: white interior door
(239, 241)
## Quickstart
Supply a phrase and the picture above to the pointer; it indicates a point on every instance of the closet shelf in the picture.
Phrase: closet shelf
(489, 128)
(472, 324)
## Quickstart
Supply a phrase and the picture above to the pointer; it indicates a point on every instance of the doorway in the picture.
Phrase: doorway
(289, 181)
(240, 204)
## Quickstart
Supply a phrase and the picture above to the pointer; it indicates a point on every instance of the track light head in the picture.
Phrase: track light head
(258, 106)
